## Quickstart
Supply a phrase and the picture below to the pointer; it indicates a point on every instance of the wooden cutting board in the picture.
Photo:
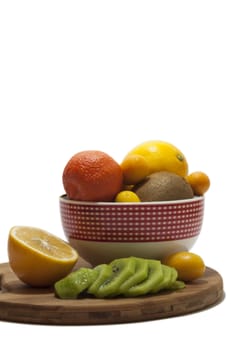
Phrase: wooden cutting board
(20, 303)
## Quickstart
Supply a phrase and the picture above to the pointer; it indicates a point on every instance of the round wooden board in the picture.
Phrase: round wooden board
(21, 303)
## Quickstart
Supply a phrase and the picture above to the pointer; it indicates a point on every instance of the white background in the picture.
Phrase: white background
(107, 75)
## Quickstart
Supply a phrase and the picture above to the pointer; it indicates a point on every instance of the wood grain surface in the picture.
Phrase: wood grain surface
(21, 303)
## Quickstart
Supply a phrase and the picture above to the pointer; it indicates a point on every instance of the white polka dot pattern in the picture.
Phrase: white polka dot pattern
(132, 223)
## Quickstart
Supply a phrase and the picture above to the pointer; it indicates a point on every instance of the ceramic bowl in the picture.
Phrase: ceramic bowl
(103, 231)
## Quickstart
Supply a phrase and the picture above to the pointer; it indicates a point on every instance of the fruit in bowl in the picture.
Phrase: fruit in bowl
(162, 215)
(92, 176)
(103, 231)
(150, 157)
(162, 186)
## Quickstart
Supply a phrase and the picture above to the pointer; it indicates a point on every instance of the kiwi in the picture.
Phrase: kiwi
(163, 186)
(174, 284)
(177, 285)
(104, 272)
(141, 272)
(122, 269)
(154, 277)
(165, 281)
(75, 283)
(129, 277)
(173, 279)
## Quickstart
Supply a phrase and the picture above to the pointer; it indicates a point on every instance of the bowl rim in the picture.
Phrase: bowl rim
(63, 198)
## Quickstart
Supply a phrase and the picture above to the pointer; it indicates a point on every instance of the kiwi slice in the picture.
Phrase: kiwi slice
(177, 285)
(174, 283)
(75, 283)
(140, 274)
(174, 275)
(104, 271)
(122, 269)
(165, 281)
(154, 277)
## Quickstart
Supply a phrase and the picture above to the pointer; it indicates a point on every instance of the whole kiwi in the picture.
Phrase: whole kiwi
(163, 186)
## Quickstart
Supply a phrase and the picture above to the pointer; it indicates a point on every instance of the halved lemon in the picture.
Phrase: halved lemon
(39, 258)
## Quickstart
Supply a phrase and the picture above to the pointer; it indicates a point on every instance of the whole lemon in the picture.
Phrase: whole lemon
(158, 155)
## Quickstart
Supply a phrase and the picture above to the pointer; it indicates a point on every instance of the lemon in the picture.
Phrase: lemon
(158, 156)
(127, 196)
(37, 257)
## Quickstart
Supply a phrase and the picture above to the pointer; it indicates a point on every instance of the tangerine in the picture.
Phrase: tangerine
(189, 266)
(199, 182)
(135, 168)
(92, 176)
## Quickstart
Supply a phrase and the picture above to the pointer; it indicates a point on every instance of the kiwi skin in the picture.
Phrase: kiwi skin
(163, 186)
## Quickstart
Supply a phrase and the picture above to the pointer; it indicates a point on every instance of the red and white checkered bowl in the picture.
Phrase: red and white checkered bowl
(103, 231)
